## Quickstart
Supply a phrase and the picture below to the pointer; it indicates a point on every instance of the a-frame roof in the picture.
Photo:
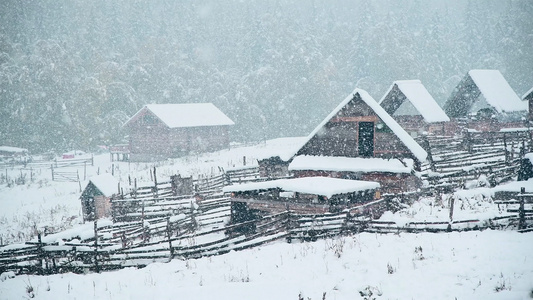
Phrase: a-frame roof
(490, 84)
(105, 183)
(359, 94)
(416, 94)
(185, 115)
(528, 95)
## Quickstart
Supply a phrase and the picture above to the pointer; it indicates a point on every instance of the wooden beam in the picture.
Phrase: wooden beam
(355, 119)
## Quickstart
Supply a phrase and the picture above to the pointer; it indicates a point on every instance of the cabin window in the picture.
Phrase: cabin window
(366, 139)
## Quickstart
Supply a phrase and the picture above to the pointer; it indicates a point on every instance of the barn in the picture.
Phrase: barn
(96, 197)
(413, 107)
(360, 140)
(484, 101)
(528, 96)
(159, 131)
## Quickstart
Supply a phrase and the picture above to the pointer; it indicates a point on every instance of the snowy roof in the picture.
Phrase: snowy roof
(284, 148)
(12, 149)
(350, 164)
(406, 139)
(415, 92)
(106, 183)
(528, 93)
(186, 115)
(496, 90)
(323, 186)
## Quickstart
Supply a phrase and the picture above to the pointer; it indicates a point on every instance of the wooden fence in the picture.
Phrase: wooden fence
(454, 161)
(138, 243)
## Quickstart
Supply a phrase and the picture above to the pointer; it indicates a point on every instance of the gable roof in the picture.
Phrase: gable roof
(491, 85)
(106, 183)
(185, 115)
(415, 92)
(528, 95)
(404, 137)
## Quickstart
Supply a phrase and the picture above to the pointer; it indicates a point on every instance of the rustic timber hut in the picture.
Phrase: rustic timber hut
(360, 140)
(96, 197)
(484, 101)
(411, 105)
(275, 155)
(308, 195)
(159, 131)
(528, 96)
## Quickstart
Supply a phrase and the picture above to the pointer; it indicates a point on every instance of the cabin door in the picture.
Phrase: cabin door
(366, 139)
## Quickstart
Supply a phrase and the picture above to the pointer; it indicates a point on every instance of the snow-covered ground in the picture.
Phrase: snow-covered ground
(467, 265)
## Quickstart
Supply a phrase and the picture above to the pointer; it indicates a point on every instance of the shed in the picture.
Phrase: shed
(96, 197)
(300, 195)
(160, 131)
(413, 107)
(360, 128)
(275, 155)
(486, 101)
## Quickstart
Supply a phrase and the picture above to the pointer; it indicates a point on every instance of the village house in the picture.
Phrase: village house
(484, 101)
(411, 105)
(359, 140)
(160, 131)
(96, 197)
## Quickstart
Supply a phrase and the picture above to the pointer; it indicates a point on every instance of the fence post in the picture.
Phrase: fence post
(51, 168)
(92, 160)
(289, 226)
(155, 183)
(521, 210)
(169, 241)
(85, 170)
(40, 253)
(96, 266)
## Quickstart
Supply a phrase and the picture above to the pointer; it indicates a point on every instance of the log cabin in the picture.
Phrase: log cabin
(96, 197)
(413, 107)
(484, 101)
(160, 131)
(359, 140)
(307, 195)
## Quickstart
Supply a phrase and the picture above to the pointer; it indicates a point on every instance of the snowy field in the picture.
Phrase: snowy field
(467, 265)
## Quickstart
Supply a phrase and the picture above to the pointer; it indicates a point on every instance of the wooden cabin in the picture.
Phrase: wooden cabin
(528, 97)
(484, 101)
(160, 131)
(275, 156)
(411, 105)
(308, 195)
(96, 197)
(360, 140)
